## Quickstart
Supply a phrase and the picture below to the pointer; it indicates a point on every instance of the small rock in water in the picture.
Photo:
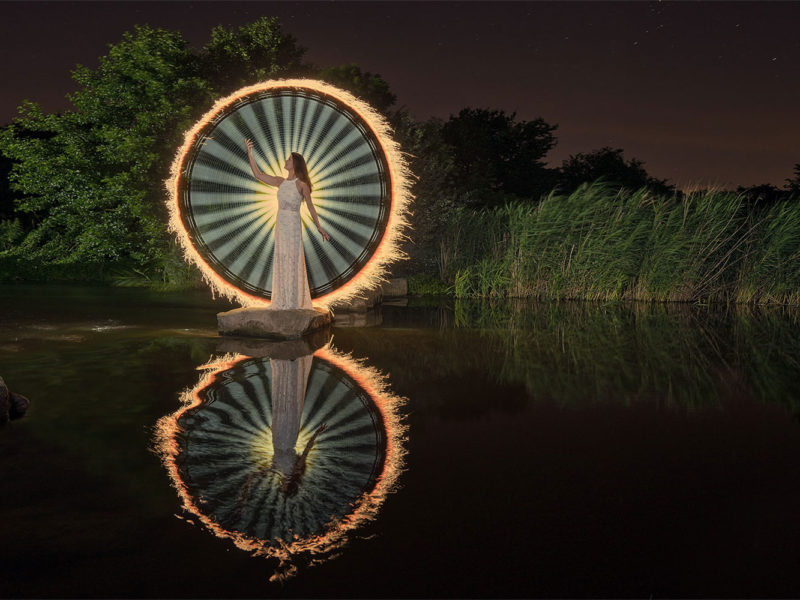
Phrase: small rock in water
(12, 405)
(19, 406)
(367, 299)
(5, 402)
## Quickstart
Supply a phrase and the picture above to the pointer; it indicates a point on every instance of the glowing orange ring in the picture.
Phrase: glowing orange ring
(365, 508)
(375, 270)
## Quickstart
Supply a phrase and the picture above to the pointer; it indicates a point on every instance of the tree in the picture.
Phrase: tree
(251, 53)
(609, 164)
(371, 88)
(793, 185)
(431, 160)
(762, 195)
(495, 158)
(92, 179)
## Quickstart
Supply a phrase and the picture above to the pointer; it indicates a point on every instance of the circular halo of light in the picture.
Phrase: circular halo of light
(369, 269)
(370, 381)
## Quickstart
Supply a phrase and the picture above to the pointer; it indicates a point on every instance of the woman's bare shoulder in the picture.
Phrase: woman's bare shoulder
(274, 180)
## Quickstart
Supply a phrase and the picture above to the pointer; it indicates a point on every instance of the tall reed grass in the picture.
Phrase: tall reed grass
(598, 243)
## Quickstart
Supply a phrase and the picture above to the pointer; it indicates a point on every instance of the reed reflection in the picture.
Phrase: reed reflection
(284, 453)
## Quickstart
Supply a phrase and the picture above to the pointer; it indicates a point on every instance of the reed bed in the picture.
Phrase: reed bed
(598, 243)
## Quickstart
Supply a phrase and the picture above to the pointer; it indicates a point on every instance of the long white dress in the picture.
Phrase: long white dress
(289, 381)
(289, 279)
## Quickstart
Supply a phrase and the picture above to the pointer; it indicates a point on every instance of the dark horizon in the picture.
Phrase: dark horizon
(705, 93)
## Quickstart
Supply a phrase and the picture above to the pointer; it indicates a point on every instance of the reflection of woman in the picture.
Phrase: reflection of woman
(289, 382)
(290, 287)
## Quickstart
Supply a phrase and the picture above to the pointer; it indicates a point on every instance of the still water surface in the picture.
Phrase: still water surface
(540, 450)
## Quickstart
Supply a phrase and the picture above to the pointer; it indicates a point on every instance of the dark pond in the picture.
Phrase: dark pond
(550, 450)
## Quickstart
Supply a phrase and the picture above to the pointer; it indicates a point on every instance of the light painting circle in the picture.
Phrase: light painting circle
(227, 216)
(227, 442)
(250, 425)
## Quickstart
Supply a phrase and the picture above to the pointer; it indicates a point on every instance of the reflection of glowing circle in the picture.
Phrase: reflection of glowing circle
(228, 438)
(225, 218)
(222, 439)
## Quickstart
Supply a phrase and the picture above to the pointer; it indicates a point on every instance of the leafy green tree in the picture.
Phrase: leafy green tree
(371, 88)
(435, 199)
(495, 158)
(608, 163)
(252, 53)
(93, 176)
(91, 180)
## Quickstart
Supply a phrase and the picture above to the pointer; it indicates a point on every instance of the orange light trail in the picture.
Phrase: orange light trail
(388, 251)
(365, 508)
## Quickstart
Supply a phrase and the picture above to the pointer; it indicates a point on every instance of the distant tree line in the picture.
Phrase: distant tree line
(86, 186)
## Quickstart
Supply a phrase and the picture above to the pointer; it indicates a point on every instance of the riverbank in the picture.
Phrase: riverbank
(594, 244)
(602, 244)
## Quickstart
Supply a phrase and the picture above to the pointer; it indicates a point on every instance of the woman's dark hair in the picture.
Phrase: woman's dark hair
(300, 169)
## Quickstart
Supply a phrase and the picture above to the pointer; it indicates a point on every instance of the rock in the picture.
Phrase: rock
(395, 288)
(269, 323)
(369, 318)
(367, 299)
(5, 402)
(19, 406)
(283, 350)
(5, 397)
(362, 303)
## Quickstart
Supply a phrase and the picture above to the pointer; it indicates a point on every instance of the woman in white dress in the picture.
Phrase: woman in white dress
(290, 287)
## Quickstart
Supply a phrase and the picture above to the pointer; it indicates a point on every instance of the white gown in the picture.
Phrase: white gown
(289, 381)
(289, 279)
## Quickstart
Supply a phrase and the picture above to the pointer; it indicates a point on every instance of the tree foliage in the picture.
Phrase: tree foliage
(609, 164)
(495, 157)
(91, 179)
(371, 88)
(251, 53)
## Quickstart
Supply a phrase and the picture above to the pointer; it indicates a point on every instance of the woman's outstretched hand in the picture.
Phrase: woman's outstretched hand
(249, 143)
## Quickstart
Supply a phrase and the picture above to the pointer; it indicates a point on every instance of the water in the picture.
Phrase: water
(551, 450)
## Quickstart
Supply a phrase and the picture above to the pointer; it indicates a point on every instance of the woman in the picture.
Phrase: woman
(289, 280)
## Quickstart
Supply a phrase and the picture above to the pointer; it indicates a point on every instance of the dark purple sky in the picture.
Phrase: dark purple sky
(702, 92)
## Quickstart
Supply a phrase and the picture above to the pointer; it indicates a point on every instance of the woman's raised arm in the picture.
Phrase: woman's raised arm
(263, 177)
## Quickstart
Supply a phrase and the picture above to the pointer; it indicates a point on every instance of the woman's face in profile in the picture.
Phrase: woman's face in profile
(289, 163)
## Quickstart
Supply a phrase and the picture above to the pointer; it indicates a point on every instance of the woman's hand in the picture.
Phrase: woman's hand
(325, 236)
(249, 143)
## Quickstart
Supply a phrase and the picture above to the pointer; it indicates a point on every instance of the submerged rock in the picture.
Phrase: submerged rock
(370, 318)
(5, 402)
(12, 405)
(367, 299)
(269, 323)
(19, 406)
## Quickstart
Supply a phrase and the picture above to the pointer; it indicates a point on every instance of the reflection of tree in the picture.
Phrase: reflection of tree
(579, 353)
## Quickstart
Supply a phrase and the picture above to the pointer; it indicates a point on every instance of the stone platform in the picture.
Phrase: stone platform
(275, 324)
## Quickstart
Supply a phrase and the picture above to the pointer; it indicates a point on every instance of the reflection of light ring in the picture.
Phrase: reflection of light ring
(364, 508)
(224, 217)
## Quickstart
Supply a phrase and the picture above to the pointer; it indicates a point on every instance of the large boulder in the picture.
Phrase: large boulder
(270, 323)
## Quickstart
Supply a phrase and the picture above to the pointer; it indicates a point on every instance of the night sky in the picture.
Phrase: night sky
(705, 93)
